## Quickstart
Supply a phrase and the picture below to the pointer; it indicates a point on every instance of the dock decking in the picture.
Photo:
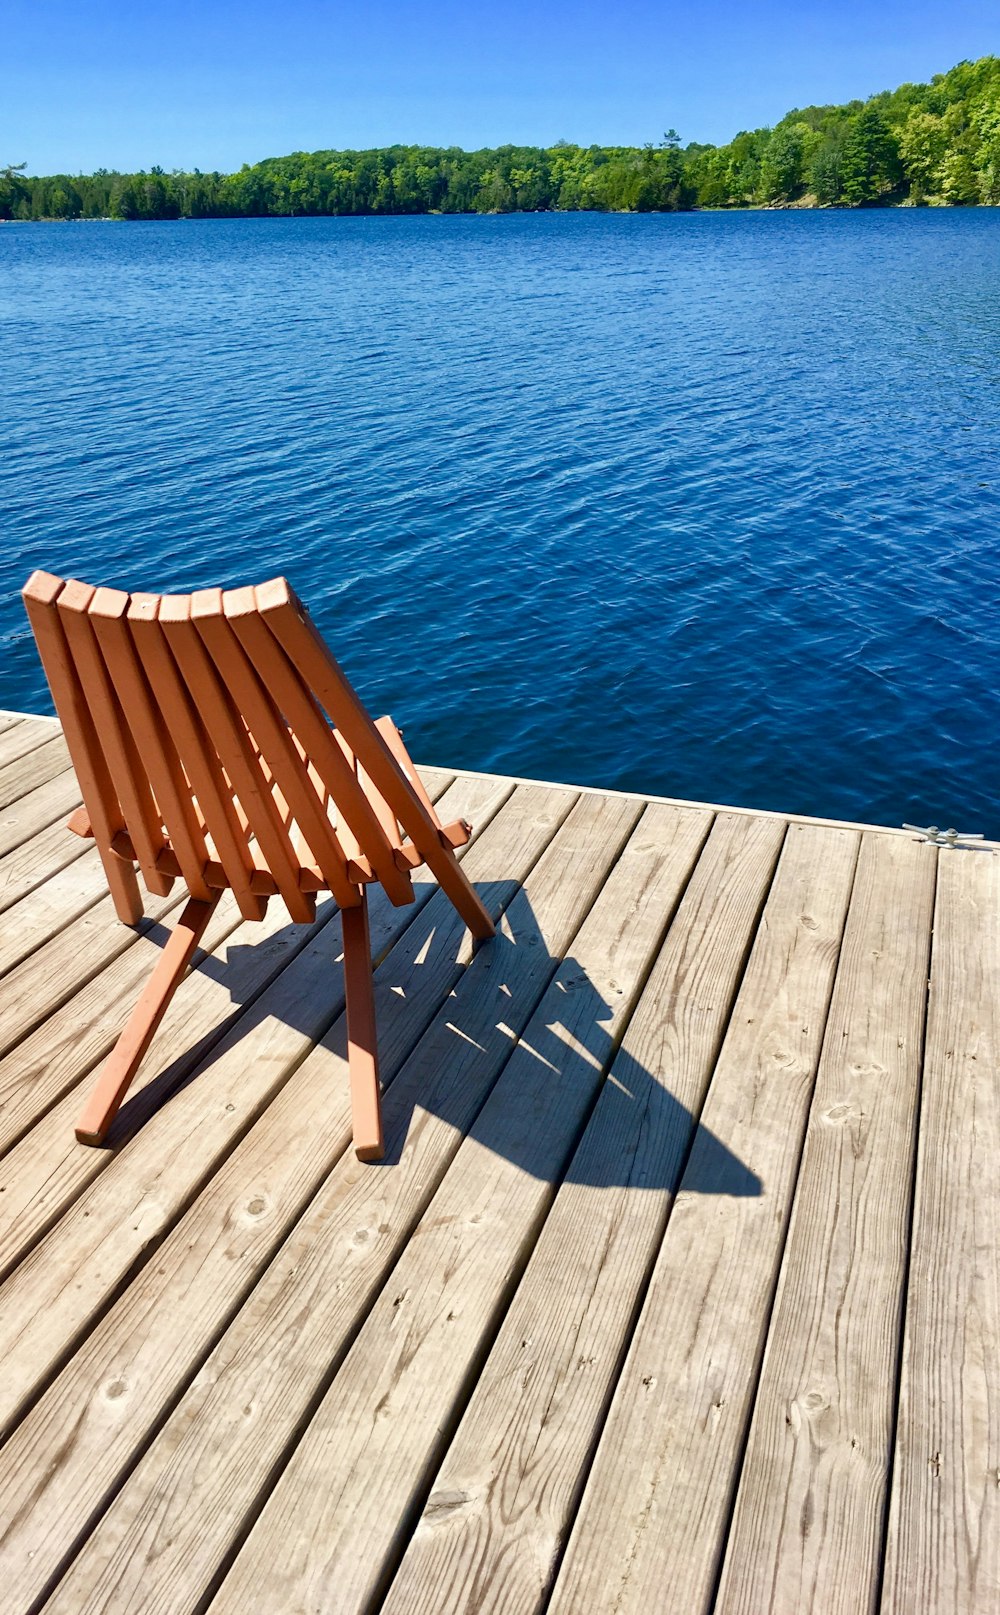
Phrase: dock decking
(678, 1291)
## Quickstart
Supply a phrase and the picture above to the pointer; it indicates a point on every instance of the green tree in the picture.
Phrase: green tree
(986, 124)
(12, 189)
(495, 193)
(784, 162)
(923, 141)
(743, 169)
(939, 141)
(870, 164)
(825, 173)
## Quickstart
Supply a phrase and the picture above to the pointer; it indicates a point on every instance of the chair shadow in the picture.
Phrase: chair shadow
(561, 1099)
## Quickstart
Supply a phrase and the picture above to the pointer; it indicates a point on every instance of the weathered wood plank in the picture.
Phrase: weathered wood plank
(492, 1527)
(155, 1169)
(32, 863)
(8, 720)
(39, 766)
(393, 1399)
(653, 1517)
(158, 1333)
(41, 807)
(65, 1047)
(944, 1523)
(813, 1490)
(46, 1168)
(154, 1495)
(711, 807)
(40, 916)
(243, 1410)
(39, 985)
(17, 738)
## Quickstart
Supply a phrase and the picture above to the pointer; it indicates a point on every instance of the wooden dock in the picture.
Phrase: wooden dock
(679, 1289)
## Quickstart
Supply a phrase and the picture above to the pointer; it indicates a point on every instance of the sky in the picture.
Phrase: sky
(217, 83)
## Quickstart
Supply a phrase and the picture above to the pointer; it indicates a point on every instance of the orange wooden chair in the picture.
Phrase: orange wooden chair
(216, 740)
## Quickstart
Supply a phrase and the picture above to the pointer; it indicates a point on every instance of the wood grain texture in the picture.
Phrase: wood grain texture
(492, 1527)
(37, 809)
(35, 861)
(714, 807)
(55, 903)
(155, 1337)
(813, 1490)
(52, 1060)
(19, 738)
(654, 1513)
(68, 1043)
(116, 1075)
(248, 1402)
(39, 985)
(40, 765)
(393, 1399)
(175, 1353)
(163, 1150)
(944, 1522)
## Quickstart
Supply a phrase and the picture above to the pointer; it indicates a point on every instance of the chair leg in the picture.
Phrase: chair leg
(455, 882)
(123, 886)
(362, 1046)
(451, 876)
(125, 1058)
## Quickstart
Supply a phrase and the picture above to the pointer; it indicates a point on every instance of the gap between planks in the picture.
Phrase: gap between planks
(943, 1543)
(813, 1488)
(45, 1168)
(493, 1526)
(411, 1367)
(655, 1510)
(300, 1136)
(131, 1194)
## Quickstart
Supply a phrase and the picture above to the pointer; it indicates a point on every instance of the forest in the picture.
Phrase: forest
(935, 144)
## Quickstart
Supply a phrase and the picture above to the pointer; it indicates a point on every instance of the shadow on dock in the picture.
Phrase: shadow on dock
(537, 1060)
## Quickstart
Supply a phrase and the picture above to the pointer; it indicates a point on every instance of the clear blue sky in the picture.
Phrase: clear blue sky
(89, 83)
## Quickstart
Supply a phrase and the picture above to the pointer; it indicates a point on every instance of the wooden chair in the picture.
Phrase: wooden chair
(216, 741)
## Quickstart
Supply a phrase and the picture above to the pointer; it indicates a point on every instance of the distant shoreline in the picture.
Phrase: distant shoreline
(882, 206)
(935, 145)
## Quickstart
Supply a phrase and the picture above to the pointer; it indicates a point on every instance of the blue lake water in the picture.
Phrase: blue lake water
(704, 505)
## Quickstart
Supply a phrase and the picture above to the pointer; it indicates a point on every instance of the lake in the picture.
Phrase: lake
(703, 505)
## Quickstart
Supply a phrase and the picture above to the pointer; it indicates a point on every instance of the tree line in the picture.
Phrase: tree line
(936, 143)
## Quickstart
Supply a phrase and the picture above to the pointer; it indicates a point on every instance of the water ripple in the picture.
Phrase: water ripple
(703, 505)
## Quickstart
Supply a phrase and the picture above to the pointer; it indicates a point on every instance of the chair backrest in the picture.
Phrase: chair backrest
(215, 737)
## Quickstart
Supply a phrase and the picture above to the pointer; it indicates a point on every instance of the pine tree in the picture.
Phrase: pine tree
(870, 164)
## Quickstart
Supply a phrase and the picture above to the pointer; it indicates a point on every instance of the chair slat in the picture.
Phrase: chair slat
(316, 739)
(290, 777)
(131, 782)
(151, 734)
(201, 763)
(394, 740)
(291, 625)
(240, 760)
(381, 809)
(41, 593)
(216, 739)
